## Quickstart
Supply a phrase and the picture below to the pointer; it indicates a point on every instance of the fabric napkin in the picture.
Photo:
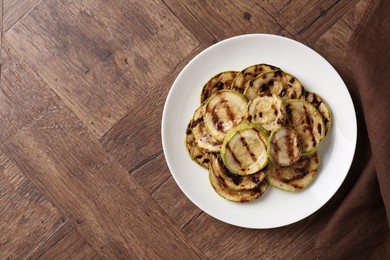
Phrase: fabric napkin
(359, 227)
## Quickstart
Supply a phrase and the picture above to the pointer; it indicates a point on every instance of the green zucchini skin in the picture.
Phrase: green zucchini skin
(318, 102)
(244, 150)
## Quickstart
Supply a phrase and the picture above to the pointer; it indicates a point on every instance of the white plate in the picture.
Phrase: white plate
(275, 208)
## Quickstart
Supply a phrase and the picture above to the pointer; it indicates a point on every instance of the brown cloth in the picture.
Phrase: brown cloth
(359, 227)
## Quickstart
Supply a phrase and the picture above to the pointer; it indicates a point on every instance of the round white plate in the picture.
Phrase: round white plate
(275, 208)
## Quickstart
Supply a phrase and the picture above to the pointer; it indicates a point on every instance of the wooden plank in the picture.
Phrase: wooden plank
(33, 98)
(156, 179)
(182, 11)
(230, 242)
(137, 136)
(228, 18)
(70, 246)
(14, 11)
(176, 204)
(130, 49)
(153, 174)
(62, 157)
(1, 32)
(109, 210)
(338, 37)
(312, 18)
(28, 219)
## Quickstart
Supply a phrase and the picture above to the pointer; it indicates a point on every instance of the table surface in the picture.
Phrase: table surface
(83, 85)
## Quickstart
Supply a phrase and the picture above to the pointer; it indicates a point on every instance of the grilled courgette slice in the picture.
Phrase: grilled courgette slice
(304, 118)
(224, 110)
(267, 111)
(236, 196)
(220, 81)
(244, 149)
(295, 177)
(234, 181)
(285, 146)
(322, 107)
(202, 137)
(248, 74)
(197, 154)
(275, 82)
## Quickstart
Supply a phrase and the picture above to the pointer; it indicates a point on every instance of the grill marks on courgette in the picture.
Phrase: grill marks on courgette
(241, 195)
(295, 177)
(224, 110)
(275, 82)
(307, 121)
(197, 154)
(248, 74)
(220, 81)
(322, 107)
(285, 146)
(244, 150)
(228, 133)
(234, 181)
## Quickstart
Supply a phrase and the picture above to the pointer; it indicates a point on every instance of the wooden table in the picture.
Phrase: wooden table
(83, 84)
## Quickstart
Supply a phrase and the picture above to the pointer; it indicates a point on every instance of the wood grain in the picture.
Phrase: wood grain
(224, 19)
(82, 90)
(137, 136)
(87, 66)
(14, 11)
(312, 18)
(28, 219)
(98, 196)
(69, 247)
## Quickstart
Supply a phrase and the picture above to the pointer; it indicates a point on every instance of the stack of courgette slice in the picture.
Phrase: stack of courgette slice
(256, 128)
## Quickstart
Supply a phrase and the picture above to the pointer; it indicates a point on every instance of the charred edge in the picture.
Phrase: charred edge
(259, 69)
(236, 179)
(189, 129)
(283, 92)
(264, 88)
(220, 85)
(196, 122)
(274, 109)
(326, 121)
(290, 181)
(278, 73)
(290, 145)
(236, 160)
(309, 122)
(216, 120)
(229, 111)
